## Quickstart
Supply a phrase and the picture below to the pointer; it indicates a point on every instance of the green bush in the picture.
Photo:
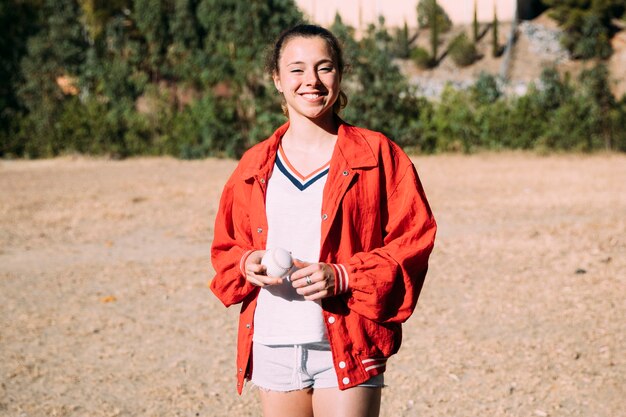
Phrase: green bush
(208, 127)
(573, 126)
(120, 59)
(587, 25)
(421, 57)
(618, 126)
(486, 90)
(527, 120)
(462, 50)
(454, 120)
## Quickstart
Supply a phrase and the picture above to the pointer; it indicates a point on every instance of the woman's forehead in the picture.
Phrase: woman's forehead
(301, 46)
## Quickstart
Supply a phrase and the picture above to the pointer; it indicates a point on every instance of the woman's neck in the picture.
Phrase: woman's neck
(307, 134)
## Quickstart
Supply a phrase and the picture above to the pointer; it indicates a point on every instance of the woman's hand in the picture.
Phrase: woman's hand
(256, 273)
(313, 281)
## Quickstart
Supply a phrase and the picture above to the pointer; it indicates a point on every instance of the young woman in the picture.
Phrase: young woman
(349, 206)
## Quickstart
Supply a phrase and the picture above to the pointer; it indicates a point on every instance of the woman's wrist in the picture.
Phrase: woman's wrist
(342, 279)
(251, 255)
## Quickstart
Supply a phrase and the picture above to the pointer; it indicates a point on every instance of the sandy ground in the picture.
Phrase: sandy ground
(105, 310)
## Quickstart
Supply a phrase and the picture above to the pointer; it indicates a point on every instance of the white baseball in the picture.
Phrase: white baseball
(277, 262)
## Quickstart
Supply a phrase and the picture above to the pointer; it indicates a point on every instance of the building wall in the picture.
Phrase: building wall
(360, 13)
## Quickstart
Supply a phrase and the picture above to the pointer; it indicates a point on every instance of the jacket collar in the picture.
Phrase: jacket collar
(352, 149)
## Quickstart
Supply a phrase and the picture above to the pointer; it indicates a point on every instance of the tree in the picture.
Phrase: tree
(150, 16)
(596, 89)
(235, 44)
(462, 51)
(98, 13)
(429, 12)
(379, 95)
(57, 50)
(434, 30)
(587, 25)
(495, 42)
(19, 21)
(475, 26)
(486, 90)
(403, 48)
(346, 36)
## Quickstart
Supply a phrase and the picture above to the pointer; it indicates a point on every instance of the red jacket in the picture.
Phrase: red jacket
(377, 232)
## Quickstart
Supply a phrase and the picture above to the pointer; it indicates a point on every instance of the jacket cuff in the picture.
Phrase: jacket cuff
(242, 262)
(341, 278)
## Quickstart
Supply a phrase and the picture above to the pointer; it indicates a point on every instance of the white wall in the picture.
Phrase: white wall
(359, 13)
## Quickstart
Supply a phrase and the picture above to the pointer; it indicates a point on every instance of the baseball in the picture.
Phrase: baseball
(277, 262)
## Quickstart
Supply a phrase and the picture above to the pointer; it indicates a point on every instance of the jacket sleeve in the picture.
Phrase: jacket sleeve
(232, 243)
(383, 284)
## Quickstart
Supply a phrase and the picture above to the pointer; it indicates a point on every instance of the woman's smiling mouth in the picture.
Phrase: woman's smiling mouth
(312, 96)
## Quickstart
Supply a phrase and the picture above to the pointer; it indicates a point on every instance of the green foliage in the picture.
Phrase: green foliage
(495, 41)
(430, 13)
(402, 44)
(186, 78)
(432, 16)
(462, 50)
(486, 90)
(588, 25)
(421, 57)
(555, 115)
(18, 20)
(475, 26)
(454, 121)
(97, 13)
(618, 126)
(596, 89)
(346, 35)
(150, 16)
(379, 96)
(237, 35)
(435, 28)
(57, 50)
(554, 90)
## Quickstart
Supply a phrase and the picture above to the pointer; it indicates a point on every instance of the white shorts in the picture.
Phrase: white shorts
(295, 367)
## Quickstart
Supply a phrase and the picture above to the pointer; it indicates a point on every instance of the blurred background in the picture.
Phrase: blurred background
(514, 113)
(186, 77)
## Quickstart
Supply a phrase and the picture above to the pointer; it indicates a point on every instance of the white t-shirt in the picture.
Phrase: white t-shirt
(293, 206)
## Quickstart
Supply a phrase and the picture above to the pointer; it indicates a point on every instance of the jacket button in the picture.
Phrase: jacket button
(262, 180)
(248, 326)
(259, 230)
(342, 364)
(346, 380)
(240, 370)
(345, 173)
(324, 216)
(331, 319)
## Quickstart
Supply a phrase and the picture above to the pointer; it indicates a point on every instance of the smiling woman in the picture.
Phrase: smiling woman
(349, 206)
(307, 77)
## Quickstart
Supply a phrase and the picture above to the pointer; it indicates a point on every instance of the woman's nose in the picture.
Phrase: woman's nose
(311, 78)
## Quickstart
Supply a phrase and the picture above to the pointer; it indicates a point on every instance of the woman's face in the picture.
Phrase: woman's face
(308, 77)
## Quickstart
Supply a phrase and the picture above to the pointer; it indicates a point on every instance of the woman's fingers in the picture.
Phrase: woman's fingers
(313, 281)
(255, 274)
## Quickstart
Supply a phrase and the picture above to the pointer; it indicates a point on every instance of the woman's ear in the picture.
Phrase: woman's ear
(276, 79)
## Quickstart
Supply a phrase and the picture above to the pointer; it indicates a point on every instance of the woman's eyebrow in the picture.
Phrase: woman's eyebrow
(321, 61)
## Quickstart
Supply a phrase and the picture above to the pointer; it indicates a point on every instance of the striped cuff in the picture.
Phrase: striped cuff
(341, 278)
(242, 262)
(374, 363)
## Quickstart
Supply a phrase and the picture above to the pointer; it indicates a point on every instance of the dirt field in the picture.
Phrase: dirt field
(105, 310)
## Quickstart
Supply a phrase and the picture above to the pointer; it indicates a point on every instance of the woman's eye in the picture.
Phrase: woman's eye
(326, 69)
(296, 70)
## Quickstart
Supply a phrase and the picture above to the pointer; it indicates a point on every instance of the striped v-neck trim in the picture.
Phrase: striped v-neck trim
(302, 182)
